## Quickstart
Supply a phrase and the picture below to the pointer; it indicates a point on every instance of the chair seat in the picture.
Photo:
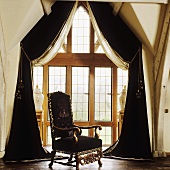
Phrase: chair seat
(84, 143)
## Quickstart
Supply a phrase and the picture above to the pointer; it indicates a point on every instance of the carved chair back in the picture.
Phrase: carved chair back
(60, 113)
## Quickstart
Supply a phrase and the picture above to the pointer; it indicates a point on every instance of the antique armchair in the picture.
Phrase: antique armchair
(66, 136)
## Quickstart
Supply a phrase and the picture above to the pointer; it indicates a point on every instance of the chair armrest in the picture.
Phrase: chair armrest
(91, 127)
(75, 129)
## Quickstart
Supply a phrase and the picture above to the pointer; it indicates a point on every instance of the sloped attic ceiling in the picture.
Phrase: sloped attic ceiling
(16, 20)
(146, 21)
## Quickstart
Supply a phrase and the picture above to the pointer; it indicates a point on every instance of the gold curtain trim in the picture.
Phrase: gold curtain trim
(54, 42)
(111, 53)
(25, 52)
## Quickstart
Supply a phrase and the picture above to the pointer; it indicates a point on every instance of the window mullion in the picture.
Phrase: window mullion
(45, 104)
(114, 103)
(68, 80)
(91, 98)
(91, 38)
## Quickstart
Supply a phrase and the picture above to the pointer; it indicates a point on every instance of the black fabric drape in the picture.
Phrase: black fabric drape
(48, 27)
(116, 32)
(134, 141)
(24, 141)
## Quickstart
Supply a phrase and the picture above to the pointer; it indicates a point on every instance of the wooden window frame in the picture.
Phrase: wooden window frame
(91, 60)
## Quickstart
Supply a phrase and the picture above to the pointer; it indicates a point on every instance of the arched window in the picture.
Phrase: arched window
(81, 31)
(82, 70)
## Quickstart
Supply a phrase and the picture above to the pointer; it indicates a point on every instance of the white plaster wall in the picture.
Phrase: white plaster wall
(167, 120)
(148, 78)
(145, 21)
(151, 18)
(166, 129)
(17, 17)
(11, 79)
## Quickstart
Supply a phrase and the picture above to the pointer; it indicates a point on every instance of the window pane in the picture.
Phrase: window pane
(49, 140)
(81, 32)
(85, 132)
(103, 94)
(106, 135)
(38, 77)
(57, 79)
(80, 97)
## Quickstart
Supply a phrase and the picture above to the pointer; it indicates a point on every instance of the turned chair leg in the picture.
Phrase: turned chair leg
(99, 161)
(77, 162)
(52, 158)
(70, 158)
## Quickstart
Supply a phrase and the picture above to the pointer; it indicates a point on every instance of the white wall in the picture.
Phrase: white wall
(16, 20)
(18, 17)
(167, 119)
(148, 78)
(12, 63)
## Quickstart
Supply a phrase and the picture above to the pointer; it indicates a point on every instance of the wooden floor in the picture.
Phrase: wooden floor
(108, 164)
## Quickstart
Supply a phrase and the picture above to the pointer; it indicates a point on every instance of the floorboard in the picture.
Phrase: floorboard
(108, 164)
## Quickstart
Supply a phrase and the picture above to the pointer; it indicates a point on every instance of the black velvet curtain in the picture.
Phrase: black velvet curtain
(24, 141)
(134, 141)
